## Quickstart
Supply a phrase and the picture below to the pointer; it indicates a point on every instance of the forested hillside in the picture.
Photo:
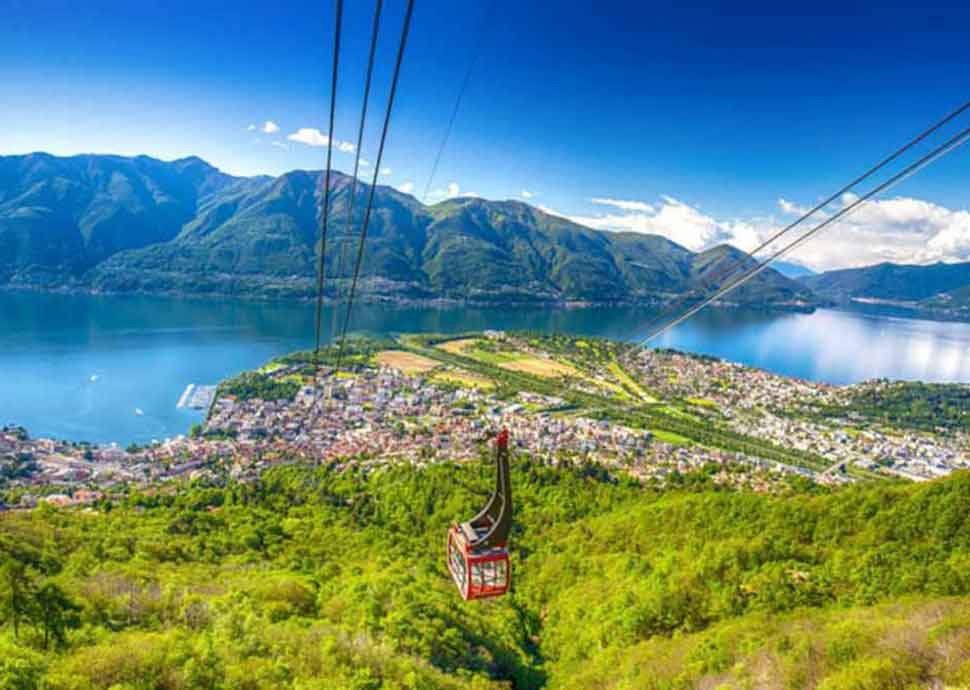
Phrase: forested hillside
(318, 579)
(891, 281)
(118, 224)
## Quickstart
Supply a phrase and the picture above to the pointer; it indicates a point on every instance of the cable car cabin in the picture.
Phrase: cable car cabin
(478, 556)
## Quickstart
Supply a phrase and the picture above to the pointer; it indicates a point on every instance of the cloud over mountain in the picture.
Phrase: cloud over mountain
(673, 219)
(900, 229)
(311, 136)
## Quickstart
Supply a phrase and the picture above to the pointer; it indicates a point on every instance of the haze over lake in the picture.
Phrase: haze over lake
(78, 366)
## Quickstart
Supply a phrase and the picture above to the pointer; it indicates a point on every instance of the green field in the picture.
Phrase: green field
(630, 383)
(670, 437)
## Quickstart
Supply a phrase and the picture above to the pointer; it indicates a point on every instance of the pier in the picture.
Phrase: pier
(196, 397)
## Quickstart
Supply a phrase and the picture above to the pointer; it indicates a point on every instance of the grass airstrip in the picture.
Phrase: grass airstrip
(411, 363)
(406, 362)
(512, 360)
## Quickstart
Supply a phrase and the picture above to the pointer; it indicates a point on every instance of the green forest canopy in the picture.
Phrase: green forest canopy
(318, 579)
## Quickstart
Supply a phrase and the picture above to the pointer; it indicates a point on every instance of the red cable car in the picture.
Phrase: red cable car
(478, 556)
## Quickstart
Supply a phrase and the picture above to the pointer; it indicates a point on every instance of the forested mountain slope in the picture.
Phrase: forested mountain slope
(138, 224)
(891, 281)
(318, 579)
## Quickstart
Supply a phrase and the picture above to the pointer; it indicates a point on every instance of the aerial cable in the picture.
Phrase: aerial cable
(377, 166)
(326, 181)
(476, 52)
(472, 60)
(725, 272)
(934, 155)
(348, 225)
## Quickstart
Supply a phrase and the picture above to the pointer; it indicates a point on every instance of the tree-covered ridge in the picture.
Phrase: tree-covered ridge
(906, 405)
(889, 281)
(940, 290)
(312, 578)
(110, 223)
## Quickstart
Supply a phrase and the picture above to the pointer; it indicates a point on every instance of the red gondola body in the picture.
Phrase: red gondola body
(477, 574)
(477, 553)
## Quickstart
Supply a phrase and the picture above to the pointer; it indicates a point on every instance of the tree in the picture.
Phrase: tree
(56, 613)
(15, 593)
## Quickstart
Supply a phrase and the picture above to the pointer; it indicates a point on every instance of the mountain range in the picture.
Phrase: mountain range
(117, 224)
(942, 289)
(137, 224)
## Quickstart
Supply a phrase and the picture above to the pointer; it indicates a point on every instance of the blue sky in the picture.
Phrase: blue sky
(706, 115)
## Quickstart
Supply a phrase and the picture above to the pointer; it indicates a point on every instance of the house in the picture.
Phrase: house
(59, 500)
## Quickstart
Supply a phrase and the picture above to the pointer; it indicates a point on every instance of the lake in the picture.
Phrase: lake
(78, 366)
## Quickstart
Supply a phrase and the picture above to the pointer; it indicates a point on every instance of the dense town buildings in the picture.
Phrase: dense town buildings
(380, 415)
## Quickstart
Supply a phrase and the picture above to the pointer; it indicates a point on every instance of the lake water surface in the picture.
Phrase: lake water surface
(77, 366)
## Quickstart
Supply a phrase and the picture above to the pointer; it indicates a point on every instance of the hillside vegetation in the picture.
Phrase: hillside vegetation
(317, 579)
(119, 224)
(896, 282)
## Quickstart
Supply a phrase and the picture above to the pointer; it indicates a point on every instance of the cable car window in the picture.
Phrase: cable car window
(457, 565)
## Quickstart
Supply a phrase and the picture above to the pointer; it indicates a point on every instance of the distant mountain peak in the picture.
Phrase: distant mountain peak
(889, 281)
(121, 224)
(193, 160)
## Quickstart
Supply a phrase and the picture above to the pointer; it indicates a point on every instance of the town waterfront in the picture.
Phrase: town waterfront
(112, 368)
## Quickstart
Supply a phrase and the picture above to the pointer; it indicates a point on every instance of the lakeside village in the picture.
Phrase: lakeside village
(760, 404)
(406, 408)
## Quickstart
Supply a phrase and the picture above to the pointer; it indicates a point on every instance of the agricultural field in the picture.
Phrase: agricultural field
(507, 356)
(457, 347)
(629, 383)
(463, 378)
(406, 362)
(540, 366)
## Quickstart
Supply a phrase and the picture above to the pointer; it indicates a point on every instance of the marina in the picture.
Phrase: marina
(196, 397)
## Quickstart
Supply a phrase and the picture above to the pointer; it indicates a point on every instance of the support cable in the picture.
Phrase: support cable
(476, 52)
(676, 303)
(348, 224)
(377, 166)
(326, 183)
(948, 146)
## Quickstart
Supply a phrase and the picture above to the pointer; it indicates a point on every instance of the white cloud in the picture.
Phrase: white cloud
(671, 218)
(311, 136)
(452, 191)
(385, 172)
(526, 194)
(281, 145)
(364, 163)
(251, 128)
(792, 208)
(901, 230)
(553, 212)
(406, 187)
(624, 204)
(270, 127)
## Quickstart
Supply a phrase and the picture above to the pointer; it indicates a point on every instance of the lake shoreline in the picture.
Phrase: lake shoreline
(408, 302)
(78, 366)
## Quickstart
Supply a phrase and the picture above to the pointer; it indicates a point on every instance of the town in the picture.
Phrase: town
(426, 401)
